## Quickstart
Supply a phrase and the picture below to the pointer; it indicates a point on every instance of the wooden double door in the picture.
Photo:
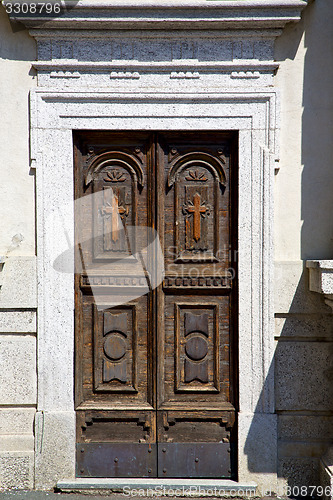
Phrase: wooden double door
(155, 363)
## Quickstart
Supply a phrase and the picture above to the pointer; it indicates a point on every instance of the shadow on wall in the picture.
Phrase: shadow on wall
(15, 43)
(303, 357)
(303, 385)
(317, 133)
(261, 435)
(302, 369)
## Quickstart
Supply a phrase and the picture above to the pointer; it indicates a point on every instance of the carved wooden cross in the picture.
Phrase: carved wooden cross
(114, 210)
(197, 210)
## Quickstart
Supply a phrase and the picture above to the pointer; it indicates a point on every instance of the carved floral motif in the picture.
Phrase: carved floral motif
(195, 175)
(115, 176)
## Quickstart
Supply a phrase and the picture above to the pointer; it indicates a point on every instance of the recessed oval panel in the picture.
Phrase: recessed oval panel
(196, 348)
(114, 347)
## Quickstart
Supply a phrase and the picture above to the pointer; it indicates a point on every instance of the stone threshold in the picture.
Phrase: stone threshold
(160, 487)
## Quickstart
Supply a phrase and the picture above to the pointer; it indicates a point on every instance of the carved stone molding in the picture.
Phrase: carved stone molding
(194, 42)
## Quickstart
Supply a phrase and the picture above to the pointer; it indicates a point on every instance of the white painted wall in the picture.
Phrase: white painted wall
(304, 230)
(17, 49)
(304, 204)
(18, 274)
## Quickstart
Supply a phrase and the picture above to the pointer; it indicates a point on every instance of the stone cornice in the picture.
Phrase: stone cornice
(162, 66)
(141, 44)
(169, 15)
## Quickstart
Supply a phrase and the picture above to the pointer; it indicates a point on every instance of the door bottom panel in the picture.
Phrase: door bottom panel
(199, 460)
(116, 460)
(166, 460)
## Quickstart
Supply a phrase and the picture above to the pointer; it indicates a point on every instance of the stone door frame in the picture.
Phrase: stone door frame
(54, 115)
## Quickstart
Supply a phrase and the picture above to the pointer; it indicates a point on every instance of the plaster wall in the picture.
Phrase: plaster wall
(304, 230)
(18, 267)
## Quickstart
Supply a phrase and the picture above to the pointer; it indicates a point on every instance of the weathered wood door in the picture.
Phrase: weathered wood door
(155, 367)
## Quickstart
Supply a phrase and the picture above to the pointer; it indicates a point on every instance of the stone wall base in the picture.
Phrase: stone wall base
(55, 448)
(326, 474)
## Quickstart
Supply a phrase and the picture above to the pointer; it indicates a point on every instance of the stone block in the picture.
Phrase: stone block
(16, 470)
(18, 370)
(298, 472)
(305, 325)
(292, 293)
(303, 376)
(55, 448)
(19, 283)
(17, 421)
(16, 443)
(18, 322)
(305, 427)
(301, 450)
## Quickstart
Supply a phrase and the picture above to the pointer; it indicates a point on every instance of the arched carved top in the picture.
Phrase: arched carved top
(116, 158)
(192, 160)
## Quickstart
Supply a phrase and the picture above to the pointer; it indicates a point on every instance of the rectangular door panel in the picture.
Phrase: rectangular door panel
(194, 201)
(195, 392)
(196, 352)
(115, 360)
(113, 355)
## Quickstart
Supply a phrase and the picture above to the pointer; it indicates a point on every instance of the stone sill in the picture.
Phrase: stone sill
(320, 276)
(118, 485)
